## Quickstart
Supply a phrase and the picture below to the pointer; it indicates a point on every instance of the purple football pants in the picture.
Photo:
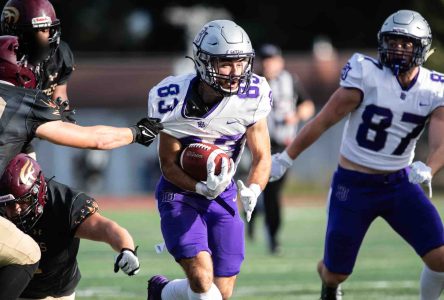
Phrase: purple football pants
(191, 223)
(357, 199)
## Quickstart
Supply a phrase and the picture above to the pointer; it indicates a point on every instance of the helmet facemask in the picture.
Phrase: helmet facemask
(411, 27)
(34, 49)
(32, 204)
(397, 59)
(216, 80)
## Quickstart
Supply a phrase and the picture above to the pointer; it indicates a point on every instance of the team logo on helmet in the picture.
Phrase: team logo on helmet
(10, 15)
(27, 173)
(200, 36)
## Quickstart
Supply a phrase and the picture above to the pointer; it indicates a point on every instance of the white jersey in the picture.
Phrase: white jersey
(224, 125)
(382, 132)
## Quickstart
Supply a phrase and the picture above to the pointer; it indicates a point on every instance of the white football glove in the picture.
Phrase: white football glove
(421, 173)
(127, 261)
(248, 196)
(280, 162)
(215, 185)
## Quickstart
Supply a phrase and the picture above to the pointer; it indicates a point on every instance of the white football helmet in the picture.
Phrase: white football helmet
(410, 25)
(222, 39)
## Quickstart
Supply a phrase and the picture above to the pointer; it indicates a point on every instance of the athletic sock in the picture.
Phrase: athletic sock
(212, 294)
(432, 284)
(176, 289)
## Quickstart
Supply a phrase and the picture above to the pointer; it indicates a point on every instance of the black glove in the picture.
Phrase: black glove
(66, 113)
(146, 130)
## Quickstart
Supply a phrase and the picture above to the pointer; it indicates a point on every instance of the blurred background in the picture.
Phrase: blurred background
(123, 48)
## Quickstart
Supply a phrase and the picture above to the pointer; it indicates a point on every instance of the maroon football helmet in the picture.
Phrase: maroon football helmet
(24, 18)
(23, 183)
(10, 69)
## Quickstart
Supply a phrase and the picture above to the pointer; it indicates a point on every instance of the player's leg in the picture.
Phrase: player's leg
(350, 213)
(19, 257)
(226, 241)
(186, 238)
(418, 222)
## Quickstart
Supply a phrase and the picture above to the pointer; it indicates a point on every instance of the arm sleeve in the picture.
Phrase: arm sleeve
(265, 102)
(351, 74)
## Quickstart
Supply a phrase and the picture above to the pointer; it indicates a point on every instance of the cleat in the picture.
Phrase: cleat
(329, 293)
(155, 287)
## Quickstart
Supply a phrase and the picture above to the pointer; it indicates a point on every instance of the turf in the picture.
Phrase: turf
(387, 267)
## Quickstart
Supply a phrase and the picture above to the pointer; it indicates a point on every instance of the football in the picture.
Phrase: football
(194, 157)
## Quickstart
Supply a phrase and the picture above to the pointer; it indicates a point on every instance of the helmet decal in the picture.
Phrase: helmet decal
(27, 173)
(10, 14)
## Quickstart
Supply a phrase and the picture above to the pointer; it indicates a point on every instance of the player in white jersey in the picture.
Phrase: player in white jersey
(223, 104)
(387, 102)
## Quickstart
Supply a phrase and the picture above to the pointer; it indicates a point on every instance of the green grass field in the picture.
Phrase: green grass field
(387, 267)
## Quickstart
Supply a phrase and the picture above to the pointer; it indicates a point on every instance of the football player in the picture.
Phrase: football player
(57, 217)
(36, 25)
(223, 104)
(27, 113)
(387, 102)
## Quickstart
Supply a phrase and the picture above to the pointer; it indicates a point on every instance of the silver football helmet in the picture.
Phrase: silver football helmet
(410, 25)
(222, 39)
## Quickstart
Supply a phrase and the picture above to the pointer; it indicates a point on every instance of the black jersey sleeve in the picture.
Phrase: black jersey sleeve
(82, 207)
(43, 110)
(66, 65)
(71, 206)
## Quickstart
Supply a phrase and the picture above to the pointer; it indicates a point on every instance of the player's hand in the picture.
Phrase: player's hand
(248, 196)
(280, 162)
(216, 184)
(421, 173)
(67, 114)
(127, 261)
(146, 131)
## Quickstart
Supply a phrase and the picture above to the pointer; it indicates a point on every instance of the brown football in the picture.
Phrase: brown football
(194, 157)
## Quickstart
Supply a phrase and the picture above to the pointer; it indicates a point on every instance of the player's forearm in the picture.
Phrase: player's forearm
(106, 137)
(119, 238)
(260, 171)
(92, 137)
